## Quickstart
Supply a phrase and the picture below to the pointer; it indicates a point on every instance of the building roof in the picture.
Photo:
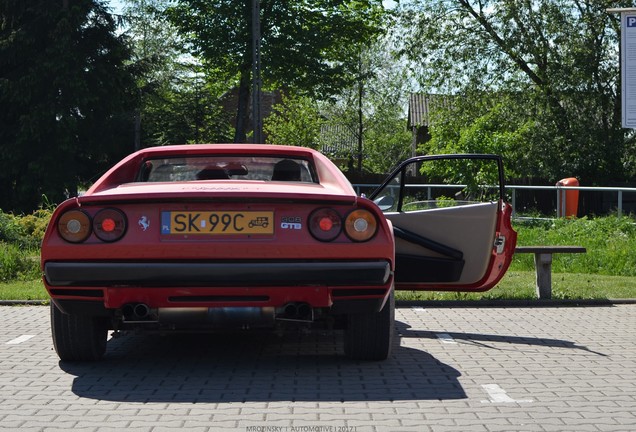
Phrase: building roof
(420, 106)
(337, 139)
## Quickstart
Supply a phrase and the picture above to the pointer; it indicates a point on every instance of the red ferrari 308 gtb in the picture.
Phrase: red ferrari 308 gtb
(222, 236)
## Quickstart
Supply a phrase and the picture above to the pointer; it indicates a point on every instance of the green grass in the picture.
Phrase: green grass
(23, 290)
(520, 285)
(610, 243)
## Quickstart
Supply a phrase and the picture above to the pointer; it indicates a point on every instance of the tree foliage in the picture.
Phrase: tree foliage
(369, 111)
(296, 121)
(65, 98)
(553, 64)
(179, 100)
(185, 110)
(484, 125)
(306, 45)
(372, 108)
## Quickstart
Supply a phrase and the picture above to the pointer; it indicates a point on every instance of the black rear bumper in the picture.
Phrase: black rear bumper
(218, 273)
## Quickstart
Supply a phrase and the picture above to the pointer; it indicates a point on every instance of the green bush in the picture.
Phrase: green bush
(17, 263)
(10, 230)
(20, 239)
(25, 231)
(34, 225)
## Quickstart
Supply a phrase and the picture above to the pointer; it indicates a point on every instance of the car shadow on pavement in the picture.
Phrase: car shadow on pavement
(494, 341)
(253, 366)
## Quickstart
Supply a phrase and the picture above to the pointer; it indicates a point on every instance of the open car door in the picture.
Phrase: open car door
(450, 221)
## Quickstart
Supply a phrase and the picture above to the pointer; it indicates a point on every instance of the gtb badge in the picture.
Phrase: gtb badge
(291, 222)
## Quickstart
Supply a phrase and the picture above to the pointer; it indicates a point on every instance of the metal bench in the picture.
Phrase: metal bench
(543, 264)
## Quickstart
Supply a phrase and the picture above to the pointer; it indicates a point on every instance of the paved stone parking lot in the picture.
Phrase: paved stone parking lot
(459, 369)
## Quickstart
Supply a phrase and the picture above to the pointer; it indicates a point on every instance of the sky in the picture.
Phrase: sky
(115, 5)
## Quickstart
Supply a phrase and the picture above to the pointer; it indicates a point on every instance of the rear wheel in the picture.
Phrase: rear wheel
(78, 337)
(369, 336)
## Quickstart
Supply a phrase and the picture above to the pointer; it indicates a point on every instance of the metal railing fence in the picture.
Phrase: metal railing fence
(559, 190)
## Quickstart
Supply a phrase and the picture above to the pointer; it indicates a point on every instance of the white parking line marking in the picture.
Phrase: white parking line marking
(20, 339)
(445, 338)
(499, 395)
(417, 308)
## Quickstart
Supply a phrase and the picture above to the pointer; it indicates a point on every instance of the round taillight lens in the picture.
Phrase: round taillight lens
(74, 226)
(360, 225)
(325, 224)
(109, 224)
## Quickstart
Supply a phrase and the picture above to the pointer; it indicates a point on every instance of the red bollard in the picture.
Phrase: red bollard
(569, 199)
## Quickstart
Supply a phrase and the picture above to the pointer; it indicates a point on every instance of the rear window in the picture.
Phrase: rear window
(263, 168)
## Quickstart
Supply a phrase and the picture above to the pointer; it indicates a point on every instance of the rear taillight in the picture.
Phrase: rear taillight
(325, 224)
(74, 226)
(109, 224)
(360, 225)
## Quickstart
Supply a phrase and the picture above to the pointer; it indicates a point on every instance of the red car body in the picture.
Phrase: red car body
(209, 236)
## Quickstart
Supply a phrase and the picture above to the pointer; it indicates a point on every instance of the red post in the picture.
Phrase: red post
(569, 198)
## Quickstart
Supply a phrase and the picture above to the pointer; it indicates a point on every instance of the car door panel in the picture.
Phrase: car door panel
(469, 229)
(446, 243)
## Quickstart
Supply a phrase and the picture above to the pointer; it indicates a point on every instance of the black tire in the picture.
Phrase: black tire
(78, 337)
(369, 336)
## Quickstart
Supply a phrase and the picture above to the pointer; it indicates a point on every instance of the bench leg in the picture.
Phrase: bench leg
(543, 266)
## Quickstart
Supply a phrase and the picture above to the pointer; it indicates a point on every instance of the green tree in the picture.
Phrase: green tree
(306, 45)
(372, 109)
(387, 140)
(553, 62)
(483, 124)
(295, 121)
(178, 98)
(186, 109)
(64, 98)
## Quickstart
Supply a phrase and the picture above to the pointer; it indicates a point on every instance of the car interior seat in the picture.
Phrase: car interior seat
(212, 173)
(286, 170)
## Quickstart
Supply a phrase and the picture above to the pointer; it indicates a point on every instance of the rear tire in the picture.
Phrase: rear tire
(78, 337)
(369, 336)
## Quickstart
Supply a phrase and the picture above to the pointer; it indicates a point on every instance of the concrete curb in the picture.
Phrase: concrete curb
(24, 302)
(511, 303)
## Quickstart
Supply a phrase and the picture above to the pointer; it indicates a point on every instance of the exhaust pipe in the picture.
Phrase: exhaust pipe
(304, 312)
(136, 312)
(290, 311)
(128, 310)
(297, 312)
(141, 311)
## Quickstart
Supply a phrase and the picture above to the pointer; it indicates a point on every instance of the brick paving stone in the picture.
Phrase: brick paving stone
(114, 429)
(190, 428)
(444, 428)
(576, 364)
(6, 424)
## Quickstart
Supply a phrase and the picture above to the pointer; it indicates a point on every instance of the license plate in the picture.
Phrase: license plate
(217, 222)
